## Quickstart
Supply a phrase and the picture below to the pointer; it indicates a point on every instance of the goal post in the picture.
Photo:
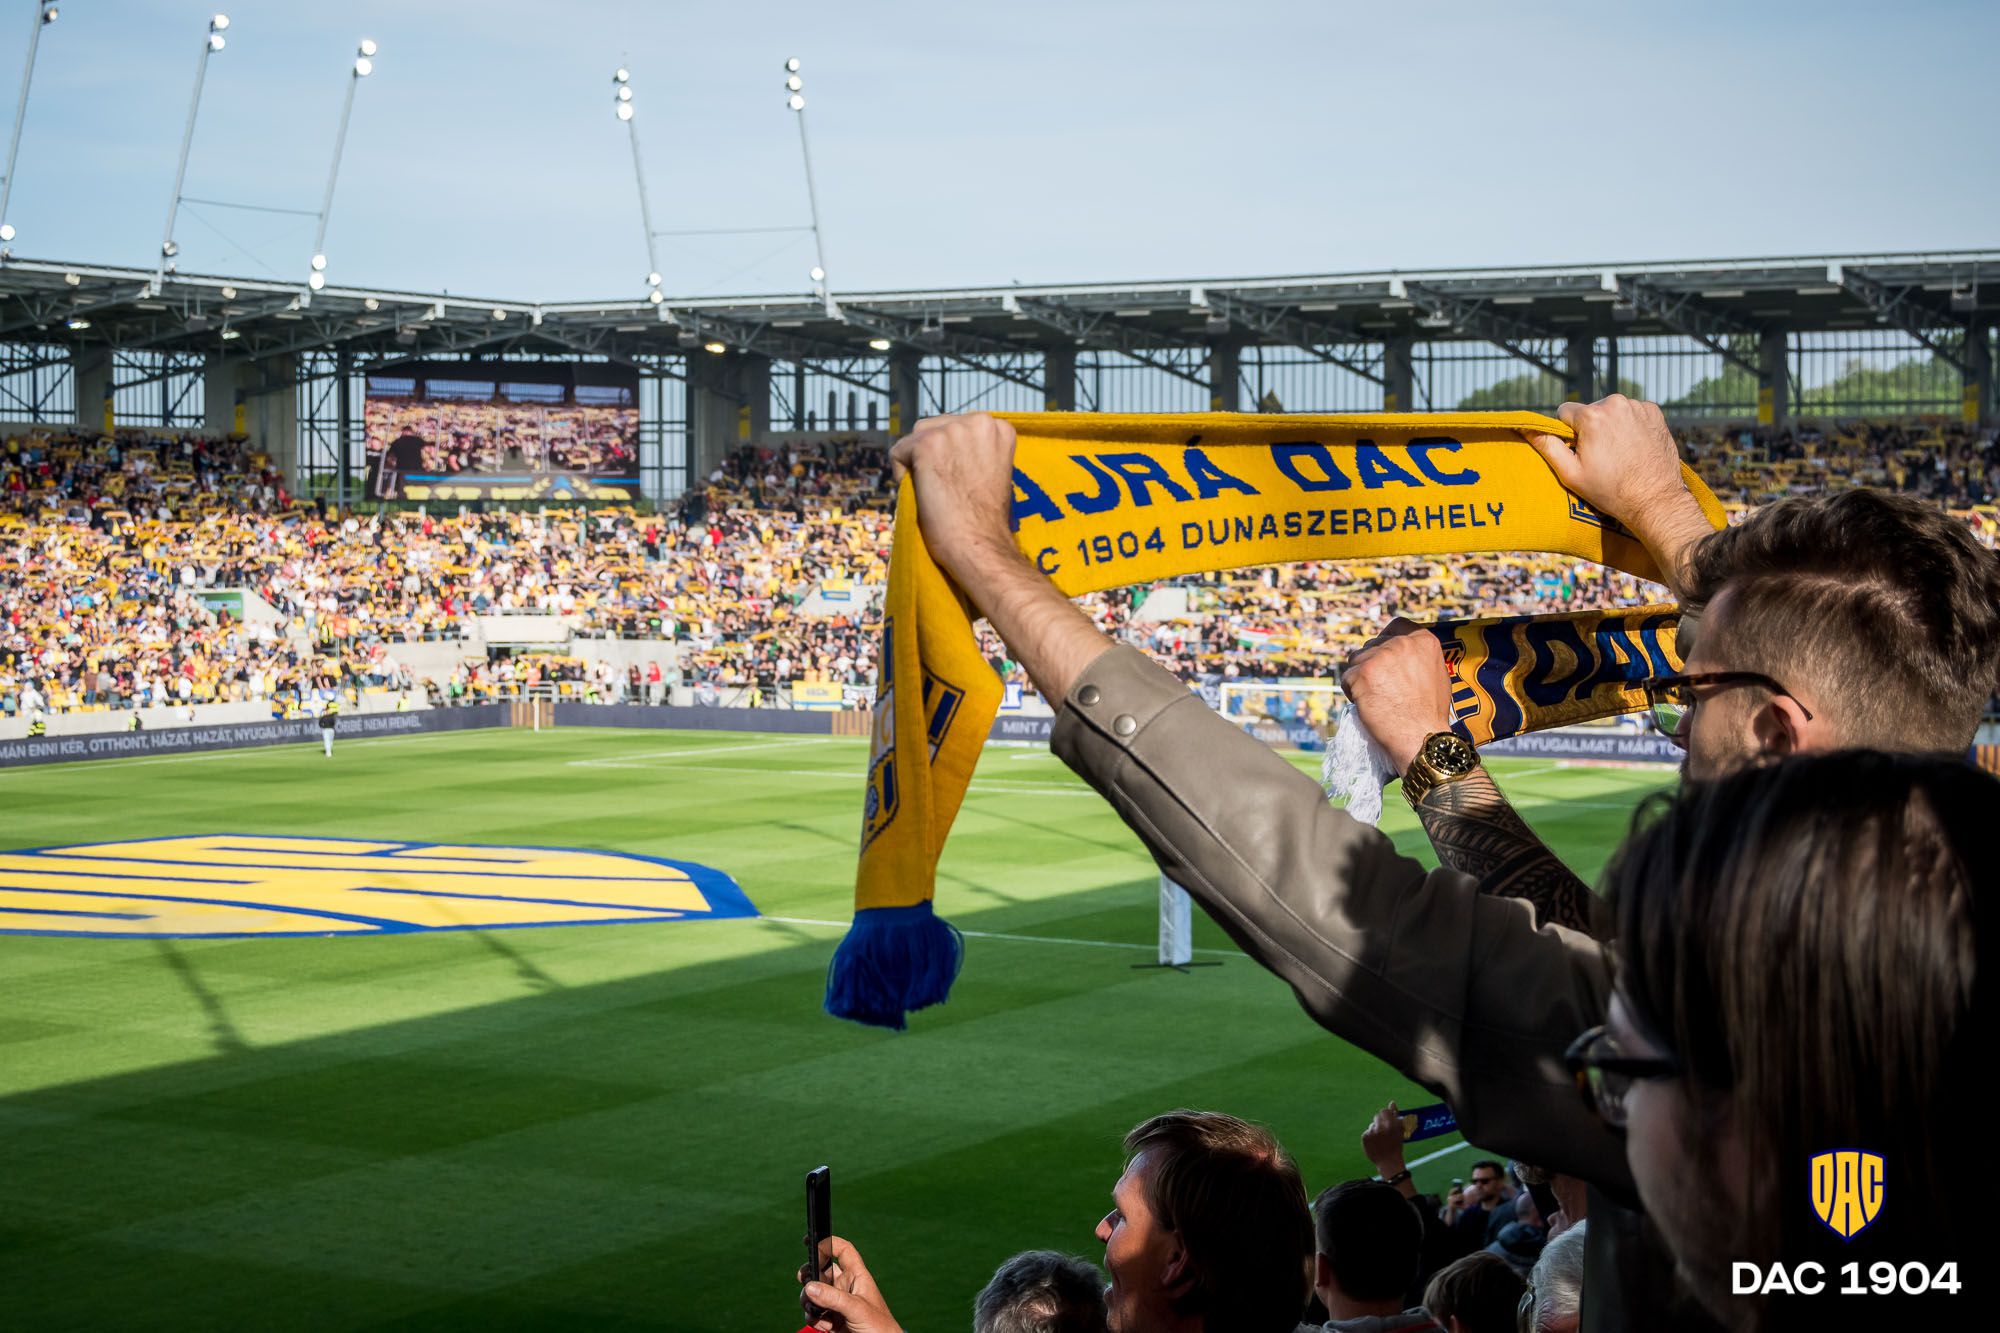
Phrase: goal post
(1293, 713)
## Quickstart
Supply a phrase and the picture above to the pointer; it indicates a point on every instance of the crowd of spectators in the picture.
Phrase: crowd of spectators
(768, 573)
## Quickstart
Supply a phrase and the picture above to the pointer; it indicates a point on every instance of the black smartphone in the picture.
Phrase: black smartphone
(819, 1225)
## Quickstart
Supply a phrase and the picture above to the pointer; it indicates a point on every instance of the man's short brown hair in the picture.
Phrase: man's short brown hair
(1235, 1197)
(1886, 605)
(1482, 1291)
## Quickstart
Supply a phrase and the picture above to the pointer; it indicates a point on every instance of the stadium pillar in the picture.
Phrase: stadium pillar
(905, 396)
(1774, 380)
(753, 381)
(90, 372)
(1978, 401)
(1225, 375)
(711, 413)
(1399, 374)
(1580, 370)
(1059, 379)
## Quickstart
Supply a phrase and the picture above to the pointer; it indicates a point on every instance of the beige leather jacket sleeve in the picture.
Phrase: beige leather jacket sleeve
(1458, 990)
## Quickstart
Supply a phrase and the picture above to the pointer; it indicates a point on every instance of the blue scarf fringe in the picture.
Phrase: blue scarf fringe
(893, 960)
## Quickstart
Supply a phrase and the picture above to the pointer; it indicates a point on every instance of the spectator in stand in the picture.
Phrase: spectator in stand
(1553, 1299)
(1482, 1214)
(1042, 1291)
(1797, 953)
(1370, 1249)
(1209, 1232)
(1480, 1293)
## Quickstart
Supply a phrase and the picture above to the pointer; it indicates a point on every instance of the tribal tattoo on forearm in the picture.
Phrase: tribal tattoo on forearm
(1477, 833)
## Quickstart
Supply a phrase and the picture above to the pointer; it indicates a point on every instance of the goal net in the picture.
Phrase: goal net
(1295, 713)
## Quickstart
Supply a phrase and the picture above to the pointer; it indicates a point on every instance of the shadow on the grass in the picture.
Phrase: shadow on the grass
(603, 1153)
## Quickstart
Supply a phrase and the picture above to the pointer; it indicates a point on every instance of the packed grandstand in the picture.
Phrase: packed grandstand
(765, 577)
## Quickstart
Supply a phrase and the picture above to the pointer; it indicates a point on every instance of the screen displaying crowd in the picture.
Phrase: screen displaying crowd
(105, 544)
(493, 446)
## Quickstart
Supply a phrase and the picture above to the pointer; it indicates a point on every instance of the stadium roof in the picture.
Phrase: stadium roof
(60, 306)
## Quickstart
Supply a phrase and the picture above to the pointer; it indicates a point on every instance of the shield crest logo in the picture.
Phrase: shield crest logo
(1847, 1190)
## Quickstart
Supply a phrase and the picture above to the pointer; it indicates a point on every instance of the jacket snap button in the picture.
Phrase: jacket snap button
(1087, 695)
(1125, 724)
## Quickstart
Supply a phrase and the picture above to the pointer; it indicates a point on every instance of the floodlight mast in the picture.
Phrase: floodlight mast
(45, 14)
(621, 102)
(211, 42)
(364, 65)
(795, 99)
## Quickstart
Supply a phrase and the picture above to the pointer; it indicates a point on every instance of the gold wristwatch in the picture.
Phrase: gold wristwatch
(1445, 756)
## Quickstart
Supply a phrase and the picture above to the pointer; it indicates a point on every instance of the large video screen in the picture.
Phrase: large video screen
(502, 431)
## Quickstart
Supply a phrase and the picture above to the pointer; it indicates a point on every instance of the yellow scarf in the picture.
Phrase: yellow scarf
(1104, 501)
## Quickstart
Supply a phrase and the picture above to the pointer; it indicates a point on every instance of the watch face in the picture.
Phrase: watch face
(1451, 755)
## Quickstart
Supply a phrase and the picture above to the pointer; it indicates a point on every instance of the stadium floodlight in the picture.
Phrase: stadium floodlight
(210, 44)
(795, 87)
(622, 103)
(816, 273)
(364, 65)
(656, 296)
(499, 314)
(46, 10)
(370, 303)
(229, 293)
(622, 76)
(717, 348)
(624, 92)
(231, 335)
(653, 279)
(624, 111)
(880, 344)
(78, 322)
(73, 279)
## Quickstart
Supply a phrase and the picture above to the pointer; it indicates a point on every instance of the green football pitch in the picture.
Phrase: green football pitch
(607, 1125)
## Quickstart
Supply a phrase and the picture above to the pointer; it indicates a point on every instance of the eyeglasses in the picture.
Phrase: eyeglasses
(1604, 1078)
(1672, 698)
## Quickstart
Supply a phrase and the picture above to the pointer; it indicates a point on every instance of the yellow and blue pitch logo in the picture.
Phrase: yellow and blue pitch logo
(222, 885)
(1847, 1190)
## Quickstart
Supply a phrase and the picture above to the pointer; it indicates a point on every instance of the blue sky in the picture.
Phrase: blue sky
(1030, 141)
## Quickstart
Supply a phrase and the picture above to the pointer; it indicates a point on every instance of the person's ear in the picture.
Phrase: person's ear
(1177, 1278)
(1322, 1272)
(1781, 727)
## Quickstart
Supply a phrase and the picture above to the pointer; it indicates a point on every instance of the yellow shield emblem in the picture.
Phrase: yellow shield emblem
(1847, 1190)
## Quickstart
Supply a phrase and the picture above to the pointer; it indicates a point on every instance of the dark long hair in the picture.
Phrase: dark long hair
(1804, 938)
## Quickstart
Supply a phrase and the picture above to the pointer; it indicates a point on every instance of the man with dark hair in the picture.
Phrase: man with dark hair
(1479, 1223)
(1041, 1291)
(1370, 1246)
(1480, 1293)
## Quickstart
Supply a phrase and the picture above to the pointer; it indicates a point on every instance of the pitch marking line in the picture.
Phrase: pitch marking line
(628, 760)
(1019, 939)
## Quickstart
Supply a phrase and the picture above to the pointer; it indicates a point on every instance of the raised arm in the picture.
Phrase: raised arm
(1458, 990)
(1625, 463)
(1401, 689)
